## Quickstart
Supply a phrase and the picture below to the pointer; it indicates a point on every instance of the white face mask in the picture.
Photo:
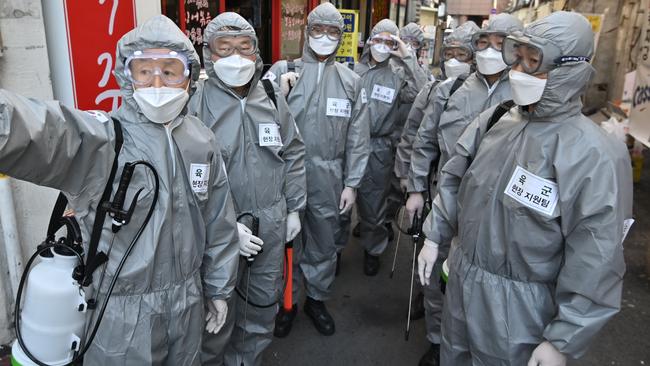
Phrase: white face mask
(455, 68)
(161, 105)
(526, 89)
(323, 46)
(490, 61)
(380, 52)
(234, 70)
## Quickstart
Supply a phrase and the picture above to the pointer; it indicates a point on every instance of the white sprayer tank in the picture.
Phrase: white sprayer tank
(53, 313)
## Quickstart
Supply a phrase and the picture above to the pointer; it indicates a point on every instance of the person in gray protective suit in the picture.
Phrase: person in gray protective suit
(413, 37)
(389, 74)
(188, 252)
(436, 137)
(328, 104)
(264, 156)
(541, 200)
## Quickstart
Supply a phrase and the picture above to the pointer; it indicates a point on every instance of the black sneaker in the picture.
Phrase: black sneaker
(356, 230)
(432, 357)
(370, 264)
(417, 307)
(320, 316)
(389, 227)
(284, 321)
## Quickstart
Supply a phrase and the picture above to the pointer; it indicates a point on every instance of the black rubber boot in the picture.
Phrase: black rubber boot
(284, 321)
(356, 230)
(322, 319)
(370, 264)
(389, 227)
(432, 357)
(417, 307)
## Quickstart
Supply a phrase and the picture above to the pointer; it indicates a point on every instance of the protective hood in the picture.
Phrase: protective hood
(572, 33)
(412, 30)
(233, 20)
(504, 23)
(157, 32)
(462, 34)
(327, 14)
(384, 25)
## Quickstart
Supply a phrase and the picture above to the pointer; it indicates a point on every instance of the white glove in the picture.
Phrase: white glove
(288, 81)
(293, 226)
(404, 184)
(249, 244)
(414, 205)
(347, 200)
(426, 260)
(216, 316)
(401, 51)
(547, 355)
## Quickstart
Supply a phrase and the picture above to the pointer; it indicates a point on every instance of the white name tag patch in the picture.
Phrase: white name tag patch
(269, 134)
(364, 96)
(337, 107)
(200, 177)
(382, 93)
(532, 191)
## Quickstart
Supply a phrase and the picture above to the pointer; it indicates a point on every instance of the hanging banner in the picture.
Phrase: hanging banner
(348, 50)
(640, 115)
(93, 29)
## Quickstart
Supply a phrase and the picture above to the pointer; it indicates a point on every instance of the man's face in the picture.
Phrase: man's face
(154, 68)
(226, 46)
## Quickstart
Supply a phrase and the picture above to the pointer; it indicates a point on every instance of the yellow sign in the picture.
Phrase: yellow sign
(348, 50)
(596, 21)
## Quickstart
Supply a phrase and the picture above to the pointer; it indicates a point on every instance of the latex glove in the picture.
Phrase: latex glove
(249, 244)
(347, 200)
(216, 316)
(401, 51)
(403, 184)
(547, 355)
(414, 205)
(426, 260)
(288, 81)
(293, 226)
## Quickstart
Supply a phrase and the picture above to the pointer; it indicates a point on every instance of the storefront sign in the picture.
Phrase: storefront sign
(640, 115)
(348, 50)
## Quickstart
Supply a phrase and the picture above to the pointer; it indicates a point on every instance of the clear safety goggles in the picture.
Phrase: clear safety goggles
(535, 55)
(390, 42)
(318, 31)
(413, 42)
(226, 43)
(481, 41)
(460, 53)
(143, 67)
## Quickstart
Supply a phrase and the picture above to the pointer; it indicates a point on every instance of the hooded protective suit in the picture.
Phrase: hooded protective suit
(267, 181)
(188, 250)
(328, 105)
(539, 207)
(395, 196)
(387, 84)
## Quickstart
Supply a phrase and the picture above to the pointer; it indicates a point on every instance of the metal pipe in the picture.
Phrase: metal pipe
(10, 233)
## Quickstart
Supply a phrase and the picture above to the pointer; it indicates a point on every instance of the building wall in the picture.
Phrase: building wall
(469, 7)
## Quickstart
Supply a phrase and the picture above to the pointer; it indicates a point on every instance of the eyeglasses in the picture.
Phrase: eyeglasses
(413, 42)
(460, 53)
(224, 45)
(143, 67)
(483, 40)
(319, 30)
(391, 43)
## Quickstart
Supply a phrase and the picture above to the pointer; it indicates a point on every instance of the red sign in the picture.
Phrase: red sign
(93, 29)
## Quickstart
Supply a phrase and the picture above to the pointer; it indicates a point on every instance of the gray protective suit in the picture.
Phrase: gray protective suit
(395, 195)
(267, 181)
(188, 250)
(522, 275)
(337, 153)
(402, 78)
(436, 138)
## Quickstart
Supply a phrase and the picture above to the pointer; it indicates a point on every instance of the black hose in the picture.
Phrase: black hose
(23, 278)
